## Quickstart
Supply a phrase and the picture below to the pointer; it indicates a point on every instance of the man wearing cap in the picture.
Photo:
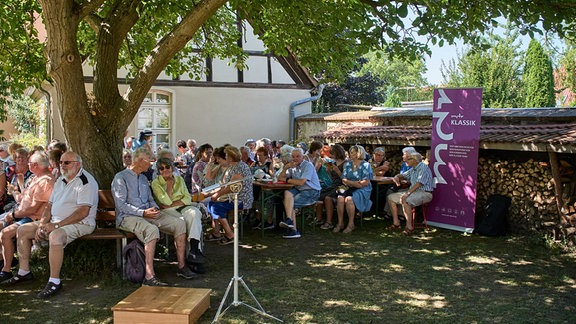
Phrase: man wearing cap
(144, 141)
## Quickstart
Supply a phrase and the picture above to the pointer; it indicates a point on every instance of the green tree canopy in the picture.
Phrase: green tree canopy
(538, 78)
(152, 36)
(496, 69)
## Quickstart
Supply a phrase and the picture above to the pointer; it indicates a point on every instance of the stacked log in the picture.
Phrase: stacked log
(531, 186)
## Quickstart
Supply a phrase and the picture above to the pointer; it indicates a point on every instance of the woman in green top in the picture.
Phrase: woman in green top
(172, 196)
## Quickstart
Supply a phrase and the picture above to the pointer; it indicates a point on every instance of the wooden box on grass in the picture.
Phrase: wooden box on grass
(162, 305)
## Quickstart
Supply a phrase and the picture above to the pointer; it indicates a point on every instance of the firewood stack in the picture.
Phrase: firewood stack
(531, 186)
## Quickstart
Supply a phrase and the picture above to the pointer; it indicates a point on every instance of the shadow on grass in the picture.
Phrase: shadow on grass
(369, 276)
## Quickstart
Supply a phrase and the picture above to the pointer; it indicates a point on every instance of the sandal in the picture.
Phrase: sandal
(327, 226)
(226, 240)
(408, 231)
(337, 229)
(393, 227)
(211, 238)
(348, 229)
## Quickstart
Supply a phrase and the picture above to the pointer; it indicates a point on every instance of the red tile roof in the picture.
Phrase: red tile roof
(549, 137)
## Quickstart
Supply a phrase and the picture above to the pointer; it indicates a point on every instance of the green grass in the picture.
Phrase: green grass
(369, 276)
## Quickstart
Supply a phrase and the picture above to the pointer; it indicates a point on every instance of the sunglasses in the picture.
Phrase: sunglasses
(162, 168)
(67, 162)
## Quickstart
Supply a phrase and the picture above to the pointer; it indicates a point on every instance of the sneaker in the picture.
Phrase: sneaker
(50, 290)
(327, 226)
(288, 223)
(196, 258)
(292, 234)
(153, 282)
(5, 275)
(186, 273)
(198, 268)
(269, 226)
(18, 279)
(226, 241)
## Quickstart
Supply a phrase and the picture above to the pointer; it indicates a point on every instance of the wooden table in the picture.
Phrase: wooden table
(162, 305)
(269, 191)
(378, 180)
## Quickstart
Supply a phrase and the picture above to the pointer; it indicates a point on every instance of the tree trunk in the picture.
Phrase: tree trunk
(100, 147)
(94, 124)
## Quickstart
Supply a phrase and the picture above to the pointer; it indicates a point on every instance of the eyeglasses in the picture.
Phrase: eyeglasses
(68, 162)
(162, 168)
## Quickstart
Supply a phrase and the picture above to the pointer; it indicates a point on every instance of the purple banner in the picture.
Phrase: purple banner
(454, 158)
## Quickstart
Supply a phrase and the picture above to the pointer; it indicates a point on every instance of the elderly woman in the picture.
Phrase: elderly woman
(221, 203)
(356, 176)
(15, 177)
(126, 157)
(171, 195)
(335, 167)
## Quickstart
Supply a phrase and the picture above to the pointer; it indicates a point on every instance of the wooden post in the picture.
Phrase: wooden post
(555, 165)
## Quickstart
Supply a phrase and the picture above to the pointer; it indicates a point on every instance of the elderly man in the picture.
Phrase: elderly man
(70, 214)
(137, 212)
(419, 193)
(32, 202)
(306, 191)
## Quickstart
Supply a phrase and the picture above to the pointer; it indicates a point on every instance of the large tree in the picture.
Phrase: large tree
(538, 78)
(149, 36)
(496, 67)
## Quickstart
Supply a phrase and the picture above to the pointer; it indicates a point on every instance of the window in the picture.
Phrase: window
(155, 114)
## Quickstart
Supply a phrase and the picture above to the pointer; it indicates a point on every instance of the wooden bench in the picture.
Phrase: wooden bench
(106, 225)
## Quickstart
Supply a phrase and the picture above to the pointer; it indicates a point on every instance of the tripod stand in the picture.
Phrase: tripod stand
(235, 187)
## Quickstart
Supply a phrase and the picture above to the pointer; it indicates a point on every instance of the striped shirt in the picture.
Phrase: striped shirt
(422, 174)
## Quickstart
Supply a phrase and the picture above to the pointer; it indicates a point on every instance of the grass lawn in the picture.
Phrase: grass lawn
(369, 276)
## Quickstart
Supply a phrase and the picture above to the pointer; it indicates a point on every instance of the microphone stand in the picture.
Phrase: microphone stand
(235, 187)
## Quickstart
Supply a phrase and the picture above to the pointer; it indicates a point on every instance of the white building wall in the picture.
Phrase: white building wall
(232, 115)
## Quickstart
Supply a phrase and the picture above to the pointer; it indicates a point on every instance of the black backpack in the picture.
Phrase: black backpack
(495, 222)
(134, 261)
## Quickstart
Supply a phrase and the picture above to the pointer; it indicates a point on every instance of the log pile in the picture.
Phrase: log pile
(530, 184)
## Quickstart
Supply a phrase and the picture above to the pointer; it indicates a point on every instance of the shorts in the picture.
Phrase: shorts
(219, 209)
(305, 197)
(148, 229)
(416, 198)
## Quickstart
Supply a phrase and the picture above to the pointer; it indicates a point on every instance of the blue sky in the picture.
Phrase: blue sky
(434, 63)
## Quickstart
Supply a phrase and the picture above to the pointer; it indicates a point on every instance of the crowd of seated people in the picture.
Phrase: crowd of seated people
(152, 196)
(347, 187)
